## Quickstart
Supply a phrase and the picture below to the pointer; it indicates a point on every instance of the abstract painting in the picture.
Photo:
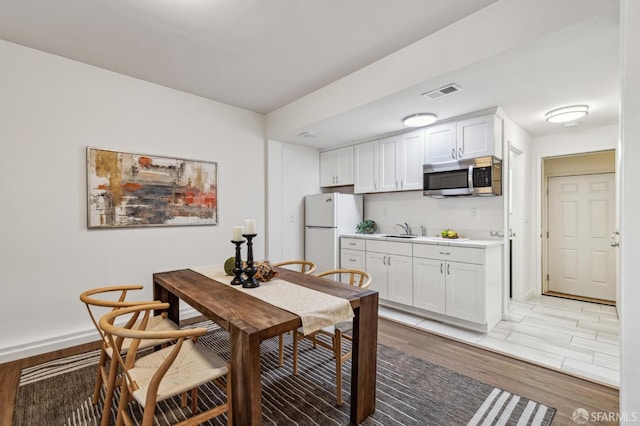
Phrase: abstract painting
(126, 190)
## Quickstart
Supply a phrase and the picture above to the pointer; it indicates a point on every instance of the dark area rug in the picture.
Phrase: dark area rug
(410, 391)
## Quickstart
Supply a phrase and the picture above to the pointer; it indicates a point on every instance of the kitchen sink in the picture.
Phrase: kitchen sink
(400, 236)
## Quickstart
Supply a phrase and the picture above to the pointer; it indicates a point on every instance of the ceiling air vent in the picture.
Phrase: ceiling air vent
(443, 91)
(308, 134)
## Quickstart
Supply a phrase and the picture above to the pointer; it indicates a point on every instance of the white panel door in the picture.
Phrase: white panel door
(581, 220)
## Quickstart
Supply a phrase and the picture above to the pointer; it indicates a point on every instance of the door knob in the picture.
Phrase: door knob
(615, 239)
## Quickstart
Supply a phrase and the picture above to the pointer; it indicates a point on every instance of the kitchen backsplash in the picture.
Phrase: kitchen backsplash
(472, 217)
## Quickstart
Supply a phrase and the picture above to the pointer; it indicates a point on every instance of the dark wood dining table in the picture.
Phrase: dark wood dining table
(250, 320)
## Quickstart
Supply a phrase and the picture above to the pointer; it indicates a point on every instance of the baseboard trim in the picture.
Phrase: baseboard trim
(25, 350)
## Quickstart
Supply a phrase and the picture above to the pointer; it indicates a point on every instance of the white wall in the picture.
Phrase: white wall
(389, 209)
(293, 172)
(51, 109)
(630, 205)
(569, 141)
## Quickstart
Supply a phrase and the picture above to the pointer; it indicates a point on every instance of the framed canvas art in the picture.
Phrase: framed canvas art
(128, 190)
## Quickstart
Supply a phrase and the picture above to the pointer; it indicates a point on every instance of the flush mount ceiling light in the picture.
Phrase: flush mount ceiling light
(568, 113)
(419, 120)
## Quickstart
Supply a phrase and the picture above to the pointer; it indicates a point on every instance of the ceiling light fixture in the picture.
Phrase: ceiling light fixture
(568, 113)
(419, 120)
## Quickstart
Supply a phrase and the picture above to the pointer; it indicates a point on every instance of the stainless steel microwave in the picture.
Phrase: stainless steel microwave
(475, 176)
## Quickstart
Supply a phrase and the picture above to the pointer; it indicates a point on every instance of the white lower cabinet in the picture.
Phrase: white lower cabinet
(390, 265)
(457, 284)
(352, 259)
(429, 285)
(377, 268)
(465, 291)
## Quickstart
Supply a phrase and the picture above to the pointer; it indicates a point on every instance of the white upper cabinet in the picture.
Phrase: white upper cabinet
(411, 160)
(336, 167)
(388, 159)
(440, 143)
(366, 167)
(478, 137)
(390, 164)
(470, 138)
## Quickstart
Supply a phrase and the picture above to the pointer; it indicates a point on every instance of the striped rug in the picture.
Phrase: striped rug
(410, 391)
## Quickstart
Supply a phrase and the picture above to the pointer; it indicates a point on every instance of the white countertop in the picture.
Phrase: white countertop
(429, 240)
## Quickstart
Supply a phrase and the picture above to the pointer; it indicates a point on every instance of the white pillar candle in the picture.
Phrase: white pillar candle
(237, 233)
(250, 226)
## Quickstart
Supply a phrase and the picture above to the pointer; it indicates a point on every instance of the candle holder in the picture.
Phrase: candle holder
(250, 270)
(237, 270)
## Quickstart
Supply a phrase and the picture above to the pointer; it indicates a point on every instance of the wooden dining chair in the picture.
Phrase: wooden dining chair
(331, 337)
(179, 367)
(113, 298)
(306, 267)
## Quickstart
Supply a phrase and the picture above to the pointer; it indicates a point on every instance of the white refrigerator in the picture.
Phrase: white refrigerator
(326, 217)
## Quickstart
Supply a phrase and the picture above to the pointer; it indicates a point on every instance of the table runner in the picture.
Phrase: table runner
(316, 309)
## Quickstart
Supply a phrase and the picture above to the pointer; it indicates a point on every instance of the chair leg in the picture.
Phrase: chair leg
(125, 398)
(337, 352)
(295, 352)
(110, 389)
(194, 401)
(101, 365)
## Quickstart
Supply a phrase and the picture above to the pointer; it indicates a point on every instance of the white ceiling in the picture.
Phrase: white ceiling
(261, 55)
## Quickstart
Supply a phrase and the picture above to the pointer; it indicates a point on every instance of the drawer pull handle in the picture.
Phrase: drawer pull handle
(351, 260)
(441, 268)
(445, 253)
(352, 244)
(448, 273)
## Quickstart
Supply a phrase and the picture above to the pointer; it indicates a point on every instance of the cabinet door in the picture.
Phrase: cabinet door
(328, 168)
(400, 279)
(377, 267)
(352, 259)
(475, 137)
(366, 167)
(345, 166)
(411, 155)
(388, 160)
(440, 143)
(429, 284)
(465, 291)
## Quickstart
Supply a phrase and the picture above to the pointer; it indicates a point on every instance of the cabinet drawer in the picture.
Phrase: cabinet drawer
(352, 243)
(452, 253)
(389, 247)
(352, 259)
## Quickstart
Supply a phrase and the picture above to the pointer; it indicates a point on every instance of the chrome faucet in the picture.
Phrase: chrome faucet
(405, 227)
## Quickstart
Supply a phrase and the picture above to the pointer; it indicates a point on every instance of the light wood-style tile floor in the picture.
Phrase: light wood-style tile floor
(579, 338)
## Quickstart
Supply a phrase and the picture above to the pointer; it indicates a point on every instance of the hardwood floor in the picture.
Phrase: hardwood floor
(563, 392)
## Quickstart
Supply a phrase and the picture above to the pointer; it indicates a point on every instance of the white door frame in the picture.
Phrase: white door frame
(515, 222)
(539, 196)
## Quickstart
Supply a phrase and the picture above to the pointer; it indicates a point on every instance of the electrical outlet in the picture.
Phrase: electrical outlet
(474, 212)
(385, 212)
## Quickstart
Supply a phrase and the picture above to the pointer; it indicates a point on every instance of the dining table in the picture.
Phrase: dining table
(250, 320)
